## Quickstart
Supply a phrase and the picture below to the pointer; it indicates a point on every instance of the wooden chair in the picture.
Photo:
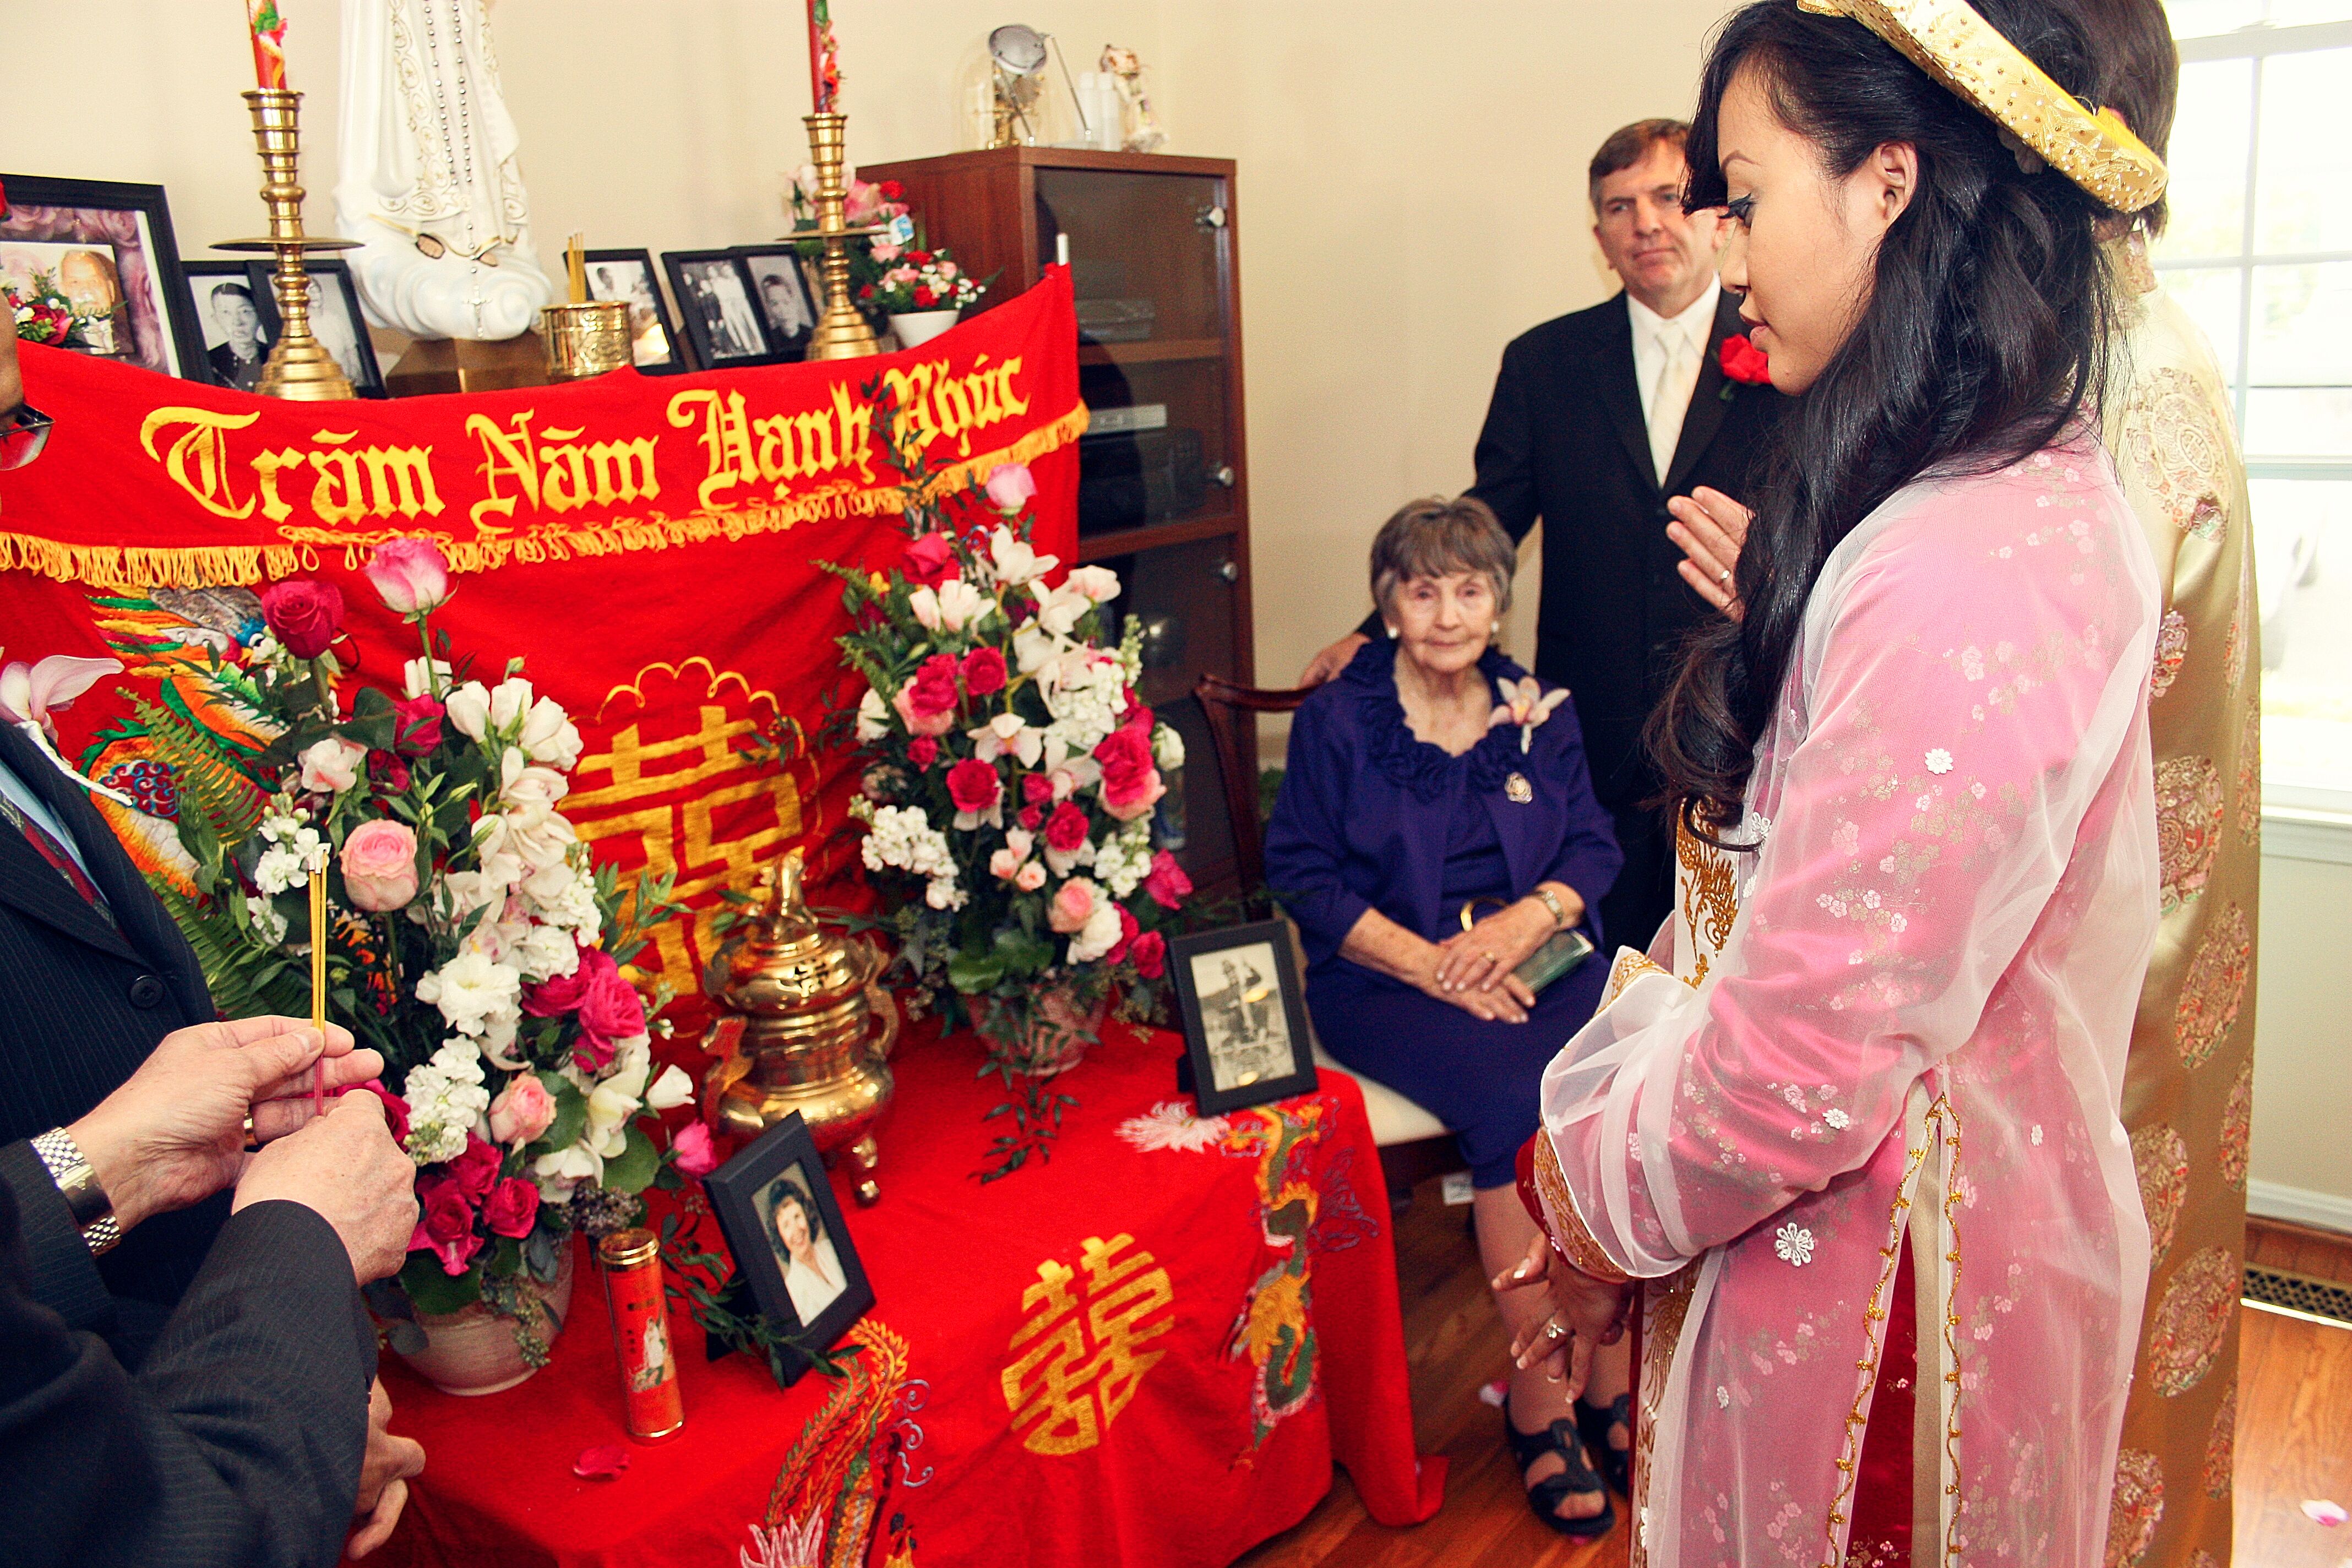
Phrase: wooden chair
(1414, 1145)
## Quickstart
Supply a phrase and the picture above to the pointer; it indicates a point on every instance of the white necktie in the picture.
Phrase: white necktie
(1677, 379)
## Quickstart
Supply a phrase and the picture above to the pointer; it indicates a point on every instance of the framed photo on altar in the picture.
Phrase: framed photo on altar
(781, 286)
(336, 319)
(1245, 1034)
(236, 333)
(717, 304)
(103, 256)
(784, 1225)
(654, 345)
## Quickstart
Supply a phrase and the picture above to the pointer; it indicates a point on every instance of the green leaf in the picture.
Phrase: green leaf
(1024, 953)
(974, 973)
(633, 1169)
(431, 1290)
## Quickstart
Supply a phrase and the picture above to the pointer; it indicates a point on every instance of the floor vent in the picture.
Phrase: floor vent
(2299, 1294)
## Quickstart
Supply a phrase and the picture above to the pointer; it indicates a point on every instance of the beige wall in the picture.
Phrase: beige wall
(1411, 196)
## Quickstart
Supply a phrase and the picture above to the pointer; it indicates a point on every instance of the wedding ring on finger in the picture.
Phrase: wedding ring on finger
(1552, 1330)
(1724, 575)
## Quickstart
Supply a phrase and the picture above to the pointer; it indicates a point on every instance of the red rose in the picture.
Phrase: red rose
(891, 190)
(1129, 930)
(475, 1170)
(612, 1010)
(1743, 361)
(930, 561)
(416, 723)
(984, 672)
(933, 690)
(866, 292)
(591, 1053)
(1031, 816)
(1037, 789)
(512, 1208)
(446, 1224)
(1138, 717)
(388, 771)
(1130, 782)
(973, 785)
(305, 615)
(553, 998)
(1065, 829)
(395, 1109)
(1165, 881)
(1150, 951)
(919, 258)
(924, 297)
(923, 751)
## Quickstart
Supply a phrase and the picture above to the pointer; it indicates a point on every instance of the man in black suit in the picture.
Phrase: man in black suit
(1597, 417)
(184, 1362)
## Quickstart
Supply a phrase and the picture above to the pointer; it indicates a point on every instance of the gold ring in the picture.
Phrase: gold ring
(1724, 575)
(1553, 1330)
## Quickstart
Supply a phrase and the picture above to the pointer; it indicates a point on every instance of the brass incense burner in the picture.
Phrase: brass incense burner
(798, 1006)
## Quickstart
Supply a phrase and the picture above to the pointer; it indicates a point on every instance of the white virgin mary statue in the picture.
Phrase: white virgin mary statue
(430, 181)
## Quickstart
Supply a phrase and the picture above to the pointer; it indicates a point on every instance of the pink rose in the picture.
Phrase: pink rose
(333, 765)
(416, 723)
(973, 785)
(1150, 951)
(1066, 830)
(379, 866)
(475, 1170)
(923, 751)
(926, 704)
(512, 1208)
(411, 575)
(1072, 906)
(1165, 881)
(522, 1110)
(593, 1053)
(693, 1150)
(1037, 789)
(1130, 784)
(930, 561)
(1031, 877)
(445, 1226)
(395, 1109)
(613, 1010)
(1010, 488)
(304, 617)
(983, 671)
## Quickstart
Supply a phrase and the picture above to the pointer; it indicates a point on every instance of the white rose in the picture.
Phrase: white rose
(415, 682)
(1032, 877)
(549, 735)
(873, 716)
(671, 1090)
(1099, 584)
(1004, 864)
(333, 765)
(508, 704)
(546, 954)
(1021, 840)
(469, 708)
(1099, 934)
(1167, 748)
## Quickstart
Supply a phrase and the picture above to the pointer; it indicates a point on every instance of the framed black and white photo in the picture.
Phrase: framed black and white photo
(780, 285)
(236, 332)
(1245, 1036)
(716, 308)
(784, 1227)
(335, 318)
(653, 337)
(103, 256)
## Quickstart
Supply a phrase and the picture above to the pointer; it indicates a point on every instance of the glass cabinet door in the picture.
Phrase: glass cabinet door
(1147, 253)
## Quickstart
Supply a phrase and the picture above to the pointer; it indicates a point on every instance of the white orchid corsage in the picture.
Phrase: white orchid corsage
(1525, 703)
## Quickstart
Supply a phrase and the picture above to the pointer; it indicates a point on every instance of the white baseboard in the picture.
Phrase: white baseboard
(2277, 1200)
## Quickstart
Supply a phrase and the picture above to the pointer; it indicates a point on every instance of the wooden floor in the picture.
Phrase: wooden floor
(2295, 1424)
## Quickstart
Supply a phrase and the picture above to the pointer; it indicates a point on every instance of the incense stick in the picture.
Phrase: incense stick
(318, 978)
(575, 265)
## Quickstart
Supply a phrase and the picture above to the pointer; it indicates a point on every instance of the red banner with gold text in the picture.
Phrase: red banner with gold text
(648, 545)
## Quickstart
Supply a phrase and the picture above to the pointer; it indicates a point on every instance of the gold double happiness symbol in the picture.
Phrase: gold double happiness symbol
(1085, 1367)
(680, 759)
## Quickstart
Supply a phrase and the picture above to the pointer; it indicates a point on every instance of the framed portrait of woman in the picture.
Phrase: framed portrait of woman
(101, 257)
(783, 1225)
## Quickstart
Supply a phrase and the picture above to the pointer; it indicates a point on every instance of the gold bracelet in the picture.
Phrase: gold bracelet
(1569, 1238)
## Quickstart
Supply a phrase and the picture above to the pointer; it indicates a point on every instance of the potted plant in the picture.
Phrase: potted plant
(922, 292)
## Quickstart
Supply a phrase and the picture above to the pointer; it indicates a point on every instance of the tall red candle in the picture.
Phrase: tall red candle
(269, 42)
(825, 59)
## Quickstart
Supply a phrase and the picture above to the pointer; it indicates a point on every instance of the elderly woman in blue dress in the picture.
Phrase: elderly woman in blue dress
(1432, 778)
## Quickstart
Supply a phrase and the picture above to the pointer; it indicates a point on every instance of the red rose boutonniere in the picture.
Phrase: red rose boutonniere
(1744, 364)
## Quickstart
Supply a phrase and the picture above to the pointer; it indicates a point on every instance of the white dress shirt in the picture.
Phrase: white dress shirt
(1668, 353)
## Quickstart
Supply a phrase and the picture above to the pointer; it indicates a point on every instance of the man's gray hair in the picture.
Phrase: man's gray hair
(1434, 536)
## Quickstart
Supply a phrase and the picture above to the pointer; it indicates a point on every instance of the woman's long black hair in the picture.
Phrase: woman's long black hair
(1983, 337)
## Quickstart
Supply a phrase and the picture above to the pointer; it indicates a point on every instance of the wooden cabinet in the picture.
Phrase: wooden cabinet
(1164, 472)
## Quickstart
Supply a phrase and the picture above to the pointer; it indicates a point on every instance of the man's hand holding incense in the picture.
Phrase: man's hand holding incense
(345, 1167)
(174, 1132)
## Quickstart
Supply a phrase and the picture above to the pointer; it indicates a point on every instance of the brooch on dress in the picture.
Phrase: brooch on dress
(1518, 790)
(1524, 702)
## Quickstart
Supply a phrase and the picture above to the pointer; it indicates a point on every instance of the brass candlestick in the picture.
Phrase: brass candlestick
(841, 332)
(300, 366)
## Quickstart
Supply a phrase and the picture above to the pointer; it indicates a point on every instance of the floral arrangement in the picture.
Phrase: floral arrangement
(921, 280)
(1011, 776)
(868, 205)
(46, 315)
(469, 939)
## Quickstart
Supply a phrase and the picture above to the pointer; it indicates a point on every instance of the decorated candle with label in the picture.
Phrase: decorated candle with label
(825, 60)
(269, 42)
(633, 1290)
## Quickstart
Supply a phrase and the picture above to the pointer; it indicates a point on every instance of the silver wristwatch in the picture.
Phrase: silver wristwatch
(92, 1210)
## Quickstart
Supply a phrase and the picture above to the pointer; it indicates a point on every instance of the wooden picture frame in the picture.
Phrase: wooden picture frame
(780, 287)
(718, 306)
(760, 1197)
(1245, 1034)
(653, 344)
(336, 319)
(101, 238)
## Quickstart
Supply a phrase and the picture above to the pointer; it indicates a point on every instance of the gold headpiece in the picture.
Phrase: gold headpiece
(1949, 41)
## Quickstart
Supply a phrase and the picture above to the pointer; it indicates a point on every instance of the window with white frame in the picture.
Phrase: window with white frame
(2258, 250)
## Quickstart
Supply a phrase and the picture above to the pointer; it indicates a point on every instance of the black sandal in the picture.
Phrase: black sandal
(1576, 1479)
(1593, 1423)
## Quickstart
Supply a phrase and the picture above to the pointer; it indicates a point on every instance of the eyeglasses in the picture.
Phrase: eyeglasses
(23, 431)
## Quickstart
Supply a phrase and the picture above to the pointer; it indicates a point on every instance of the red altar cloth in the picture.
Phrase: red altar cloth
(1270, 1345)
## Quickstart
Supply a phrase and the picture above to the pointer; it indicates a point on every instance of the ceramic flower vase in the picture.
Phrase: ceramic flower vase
(913, 328)
(474, 1351)
(1052, 1035)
